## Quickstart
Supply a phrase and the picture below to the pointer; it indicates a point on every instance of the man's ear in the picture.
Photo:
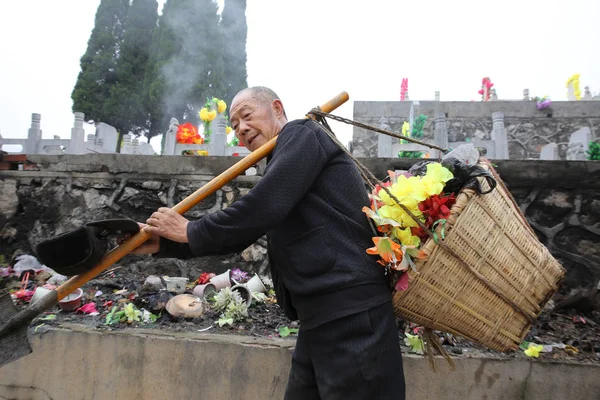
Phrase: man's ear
(277, 106)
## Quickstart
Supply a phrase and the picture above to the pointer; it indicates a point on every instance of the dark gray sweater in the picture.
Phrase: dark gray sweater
(309, 204)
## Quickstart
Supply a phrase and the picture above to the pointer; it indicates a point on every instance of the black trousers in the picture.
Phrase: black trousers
(354, 357)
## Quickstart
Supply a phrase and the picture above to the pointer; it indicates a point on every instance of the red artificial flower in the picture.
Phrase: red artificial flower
(188, 134)
(436, 207)
(205, 277)
(89, 308)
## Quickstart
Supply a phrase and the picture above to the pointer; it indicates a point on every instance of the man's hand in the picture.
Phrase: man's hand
(150, 246)
(169, 224)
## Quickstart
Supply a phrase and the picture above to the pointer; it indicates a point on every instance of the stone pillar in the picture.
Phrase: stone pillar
(135, 146)
(77, 143)
(34, 135)
(171, 138)
(526, 94)
(499, 136)
(437, 96)
(218, 137)
(126, 148)
(571, 92)
(384, 142)
(440, 131)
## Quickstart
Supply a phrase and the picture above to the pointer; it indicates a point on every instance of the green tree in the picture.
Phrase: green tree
(125, 109)
(98, 64)
(186, 63)
(235, 32)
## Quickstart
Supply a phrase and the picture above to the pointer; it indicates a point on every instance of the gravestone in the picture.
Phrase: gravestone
(549, 152)
(109, 136)
(579, 143)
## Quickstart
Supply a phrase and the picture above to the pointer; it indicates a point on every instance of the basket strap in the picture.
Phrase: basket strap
(372, 181)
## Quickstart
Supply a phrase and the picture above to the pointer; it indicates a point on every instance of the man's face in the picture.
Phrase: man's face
(255, 123)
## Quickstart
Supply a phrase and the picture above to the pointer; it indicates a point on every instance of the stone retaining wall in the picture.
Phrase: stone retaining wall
(527, 128)
(80, 363)
(560, 199)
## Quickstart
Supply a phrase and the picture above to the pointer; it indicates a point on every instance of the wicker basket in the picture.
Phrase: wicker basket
(491, 236)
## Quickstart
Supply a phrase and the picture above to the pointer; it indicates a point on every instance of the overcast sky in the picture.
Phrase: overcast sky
(309, 50)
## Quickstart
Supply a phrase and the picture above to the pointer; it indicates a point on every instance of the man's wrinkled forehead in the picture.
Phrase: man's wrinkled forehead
(244, 103)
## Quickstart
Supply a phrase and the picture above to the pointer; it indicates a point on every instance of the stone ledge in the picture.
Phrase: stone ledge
(74, 362)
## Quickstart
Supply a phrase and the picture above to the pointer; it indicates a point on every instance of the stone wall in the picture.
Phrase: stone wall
(75, 362)
(68, 191)
(561, 200)
(528, 129)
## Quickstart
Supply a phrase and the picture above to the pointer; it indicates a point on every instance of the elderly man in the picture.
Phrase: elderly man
(309, 204)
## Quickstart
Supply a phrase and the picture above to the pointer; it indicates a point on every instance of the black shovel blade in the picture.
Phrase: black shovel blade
(13, 342)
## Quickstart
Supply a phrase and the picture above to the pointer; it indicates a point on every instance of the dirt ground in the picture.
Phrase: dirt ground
(577, 334)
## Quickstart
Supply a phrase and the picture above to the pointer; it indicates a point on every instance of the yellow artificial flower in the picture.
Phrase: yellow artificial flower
(211, 115)
(406, 237)
(405, 128)
(399, 215)
(203, 114)
(221, 106)
(228, 130)
(403, 188)
(534, 350)
(438, 172)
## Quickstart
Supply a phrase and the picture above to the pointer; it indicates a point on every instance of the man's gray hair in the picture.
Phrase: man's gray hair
(265, 95)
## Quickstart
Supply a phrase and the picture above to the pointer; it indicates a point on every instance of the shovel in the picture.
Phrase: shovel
(13, 325)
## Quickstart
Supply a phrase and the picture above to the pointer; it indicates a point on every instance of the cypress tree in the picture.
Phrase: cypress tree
(186, 63)
(235, 32)
(125, 109)
(98, 64)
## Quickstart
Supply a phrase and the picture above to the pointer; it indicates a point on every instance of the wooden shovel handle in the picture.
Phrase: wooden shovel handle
(182, 207)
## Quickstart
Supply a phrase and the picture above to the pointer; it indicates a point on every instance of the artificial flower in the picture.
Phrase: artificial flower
(221, 106)
(386, 248)
(403, 89)
(89, 308)
(378, 219)
(187, 133)
(206, 115)
(398, 214)
(205, 277)
(534, 350)
(406, 237)
(239, 276)
(436, 207)
(402, 283)
(228, 130)
(405, 128)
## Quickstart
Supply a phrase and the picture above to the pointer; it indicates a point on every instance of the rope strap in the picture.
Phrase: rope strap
(322, 114)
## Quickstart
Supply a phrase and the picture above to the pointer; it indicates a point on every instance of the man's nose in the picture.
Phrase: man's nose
(243, 129)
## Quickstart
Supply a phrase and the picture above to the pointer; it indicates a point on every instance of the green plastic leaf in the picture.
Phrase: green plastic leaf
(225, 321)
(110, 317)
(284, 331)
(48, 317)
(414, 342)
